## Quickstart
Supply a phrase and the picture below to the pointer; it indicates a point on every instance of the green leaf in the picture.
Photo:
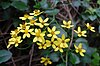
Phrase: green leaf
(54, 57)
(5, 55)
(98, 2)
(86, 59)
(81, 40)
(44, 4)
(5, 5)
(74, 59)
(76, 3)
(92, 17)
(52, 11)
(55, 1)
(90, 51)
(98, 12)
(16, 22)
(61, 64)
(99, 28)
(37, 5)
(19, 5)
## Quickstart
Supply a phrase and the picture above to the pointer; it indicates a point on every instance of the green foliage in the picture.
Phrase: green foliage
(19, 5)
(54, 57)
(5, 55)
(74, 59)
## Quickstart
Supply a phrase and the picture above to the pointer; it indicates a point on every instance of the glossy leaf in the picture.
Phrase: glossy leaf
(81, 40)
(5, 55)
(52, 11)
(54, 57)
(74, 59)
(19, 5)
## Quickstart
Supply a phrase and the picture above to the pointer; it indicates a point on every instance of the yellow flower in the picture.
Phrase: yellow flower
(15, 41)
(50, 43)
(22, 26)
(58, 47)
(90, 27)
(67, 24)
(63, 41)
(45, 61)
(32, 22)
(80, 33)
(42, 22)
(39, 36)
(79, 49)
(14, 33)
(36, 12)
(42, 45)
(53, 32)
(27, 32)
(26, 16)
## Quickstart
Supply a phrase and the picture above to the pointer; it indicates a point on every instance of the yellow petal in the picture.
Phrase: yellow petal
(54, 28)
(81, 54)
(63, 36)
(80, 45)
(64, 22)
(40, 19)
(83, 50)
(46, 19)
(35, 39)
(79, 29)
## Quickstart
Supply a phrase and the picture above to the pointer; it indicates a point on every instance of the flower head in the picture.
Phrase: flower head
(63, 41)
(15, 41)
(39, 36)
(45, 61)
(27, 32)
(36, 12)
(67, 24)
(53, 32)
(14, 33)
(22, 26)
(79, 49)
(42, 22)
(26, 16)
(32, 22)
(90, 27)
(80, 33)
(42, 45)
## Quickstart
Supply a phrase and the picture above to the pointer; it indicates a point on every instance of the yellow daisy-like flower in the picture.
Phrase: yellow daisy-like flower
(14, 33)
(50, 42)
(63, 41)
(36, 13)
(26, 16)
(32, 22)
(67, 24)
(22, 26)
(46, 61)
(58, 47)
(53, 32)
(90, 27)
(79, 49)
(15, 41)
(80, 33)
(39, 36)
(27, 32)
(42, 22)
(42, 45)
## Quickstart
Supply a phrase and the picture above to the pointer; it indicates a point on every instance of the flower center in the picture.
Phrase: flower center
(63, 41)
(26, 15)
(52, 32)
(26, 31)
(79, 49)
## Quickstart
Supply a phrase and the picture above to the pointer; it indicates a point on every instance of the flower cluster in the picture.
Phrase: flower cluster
(44, 36)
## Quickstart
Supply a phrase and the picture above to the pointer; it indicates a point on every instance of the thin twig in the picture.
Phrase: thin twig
(31, 55)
